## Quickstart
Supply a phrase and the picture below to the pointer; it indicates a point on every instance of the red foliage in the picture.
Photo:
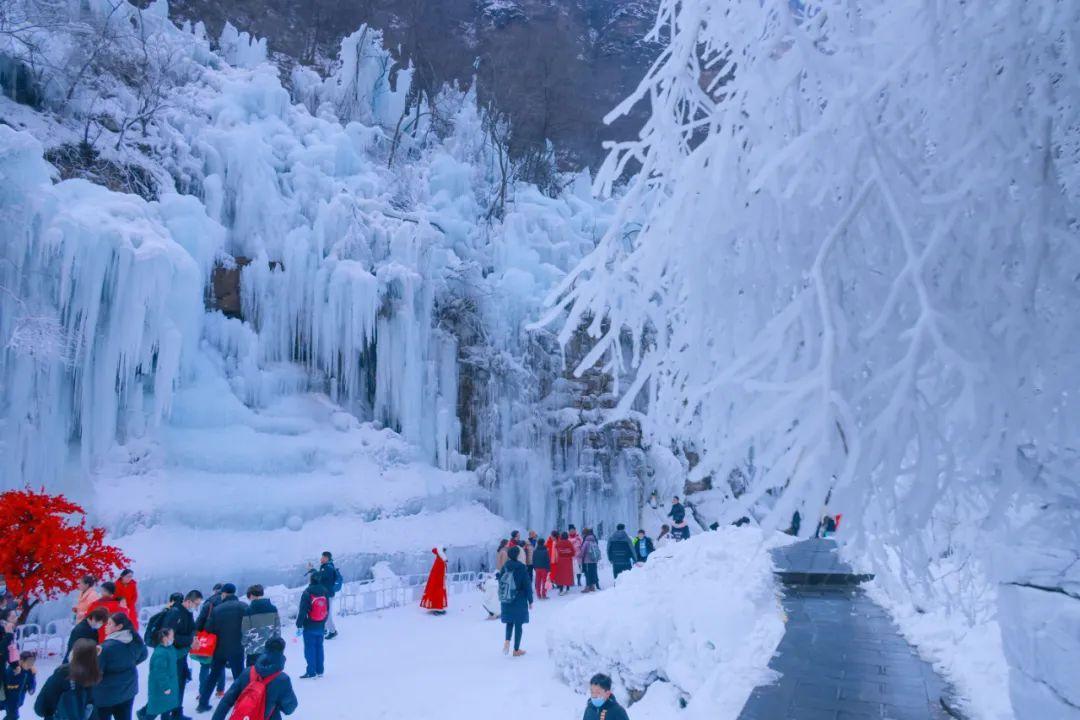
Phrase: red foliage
(47, 546)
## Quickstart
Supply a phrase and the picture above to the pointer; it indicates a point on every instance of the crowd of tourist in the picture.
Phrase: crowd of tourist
(98, 678)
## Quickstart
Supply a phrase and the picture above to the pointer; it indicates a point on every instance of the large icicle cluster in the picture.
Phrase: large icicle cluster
(370, 268)
(848, 266)
(111, 288)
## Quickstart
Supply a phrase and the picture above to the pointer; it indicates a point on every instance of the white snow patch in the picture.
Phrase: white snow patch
(701, 615)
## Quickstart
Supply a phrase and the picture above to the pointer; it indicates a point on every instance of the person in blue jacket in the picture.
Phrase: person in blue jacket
(20, 680)
(280, 698)
(516, 599)
(311, 622)
(602, 704)
(121, 654)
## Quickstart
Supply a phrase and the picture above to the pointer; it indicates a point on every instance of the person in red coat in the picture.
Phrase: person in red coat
(435, 595)
(127, 592)
(553, 555)
(563, 570)
(111, 603)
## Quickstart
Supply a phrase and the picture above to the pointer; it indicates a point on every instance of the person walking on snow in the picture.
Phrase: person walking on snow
(20, 680)
(181, 620)
(332, 582)
(602, 704)
(87, 597)
(620, 550)
(88, 629)
(224, 620)
(200, 624)
(541, 567)
(119, 658)
(553, 555)
(576, 541)
(564, 568)
(664, 537)
(590, 557)
(311, 622)
(127, 592)
(112, 605)
(67, 692)
(261, 622)
(278, 697)
(435, 595)
(516, 599)
(643, 546)
(163, 684)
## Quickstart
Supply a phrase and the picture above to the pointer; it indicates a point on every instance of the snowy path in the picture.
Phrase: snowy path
(406, 663)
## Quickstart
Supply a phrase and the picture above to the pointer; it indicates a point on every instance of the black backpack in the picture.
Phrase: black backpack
(152, 626)
(74, 704)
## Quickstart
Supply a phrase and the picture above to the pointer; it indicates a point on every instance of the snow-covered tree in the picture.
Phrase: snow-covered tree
(849, 252)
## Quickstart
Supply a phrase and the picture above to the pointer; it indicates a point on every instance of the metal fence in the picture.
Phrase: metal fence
(50, 639)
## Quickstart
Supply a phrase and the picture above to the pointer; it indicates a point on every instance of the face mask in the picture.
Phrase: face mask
(598, 702)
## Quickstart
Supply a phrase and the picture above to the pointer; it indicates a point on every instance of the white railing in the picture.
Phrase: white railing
(355, 597)
(44, 641)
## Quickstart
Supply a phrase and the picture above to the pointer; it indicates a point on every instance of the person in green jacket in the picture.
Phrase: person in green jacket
(163, 691)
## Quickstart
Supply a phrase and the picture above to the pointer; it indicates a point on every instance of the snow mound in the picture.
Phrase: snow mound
(702, 616)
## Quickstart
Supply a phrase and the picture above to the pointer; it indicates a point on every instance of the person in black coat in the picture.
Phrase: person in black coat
(181, 620)
(20, 680)
(602, 704)
(677, 513)
(224, 620)
(313, 601)
(328, 577)
(200, 625)
(121, 653)
(515, 614)
(620, 550)
(87, 628)
(280, 698)
(83, 672)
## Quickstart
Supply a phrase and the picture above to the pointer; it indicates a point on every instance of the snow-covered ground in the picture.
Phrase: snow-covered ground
(711, 636)
(698, 621)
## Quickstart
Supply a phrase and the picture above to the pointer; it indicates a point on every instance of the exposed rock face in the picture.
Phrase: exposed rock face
(554, 67)
(225, 288)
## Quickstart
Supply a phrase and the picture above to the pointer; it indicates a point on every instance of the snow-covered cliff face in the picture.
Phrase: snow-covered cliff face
(252, 266)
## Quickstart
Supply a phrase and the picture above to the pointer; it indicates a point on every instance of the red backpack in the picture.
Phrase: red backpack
(251, 705)
(320, 609)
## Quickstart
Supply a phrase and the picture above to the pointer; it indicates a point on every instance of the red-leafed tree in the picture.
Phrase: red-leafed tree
(47, 547)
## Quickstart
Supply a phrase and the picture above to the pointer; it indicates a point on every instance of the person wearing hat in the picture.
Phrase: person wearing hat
(225, 620)
(270, 668)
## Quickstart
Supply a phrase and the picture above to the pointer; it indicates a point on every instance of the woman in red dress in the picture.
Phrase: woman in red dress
(563, 571)
(435, 595)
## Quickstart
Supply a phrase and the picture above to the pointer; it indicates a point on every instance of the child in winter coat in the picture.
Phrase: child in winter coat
(20, 680)
(163, 687)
